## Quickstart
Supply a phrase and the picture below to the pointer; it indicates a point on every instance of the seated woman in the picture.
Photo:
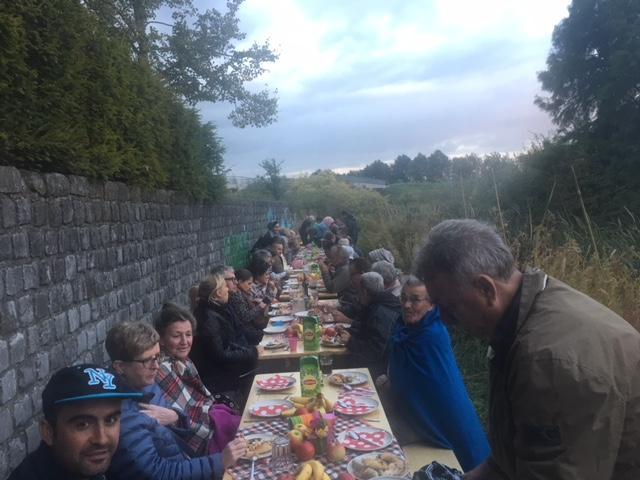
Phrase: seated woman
(183, 389)
(251, 317)
(263, 288)
(425, 380)
(278, 262)
(148, 448)
(220, 351)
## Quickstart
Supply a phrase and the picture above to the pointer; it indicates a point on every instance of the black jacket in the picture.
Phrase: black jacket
(220, 350)
(371, 331)
(40, 465)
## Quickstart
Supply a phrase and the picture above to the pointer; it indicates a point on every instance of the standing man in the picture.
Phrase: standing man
(81, 426)
(565, 370)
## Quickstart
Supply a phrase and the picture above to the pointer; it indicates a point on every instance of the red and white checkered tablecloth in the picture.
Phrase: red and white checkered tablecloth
(275, 382)
(363, 391)
(355, 405)
(242, 471)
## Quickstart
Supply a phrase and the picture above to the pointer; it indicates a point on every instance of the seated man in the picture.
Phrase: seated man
(81, 425)
(149, 448)
(389, 276)
(368, 337)
(335, 270)
(426, 384)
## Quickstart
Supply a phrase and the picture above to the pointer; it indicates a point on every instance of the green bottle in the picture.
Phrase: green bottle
(311, 333)
(310, 376)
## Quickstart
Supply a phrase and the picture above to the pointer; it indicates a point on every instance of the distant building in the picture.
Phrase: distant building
(235, 183)
(367, 183)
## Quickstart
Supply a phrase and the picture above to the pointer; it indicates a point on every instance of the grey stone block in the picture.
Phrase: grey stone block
(13, 280)
(60, 325)
(26, 314)
(57, 185)
(45, 273)
(27, 374)
(85, 313)
(45, 332)
(74, 319)
(56, 357)
(42, 365)
(6, 424)
(4, 355)
(20, 242)
(35, 182)
(54, 213)
(70, 267)
(39, 211)
(9, 214)
(11, 180)
(8, 386)
(23, 207)
(79, 186)
(66, 205)
(42, 309)
(6, 247)
(33, 435)
(51, 242)
(17, 348)
(33, 339)
(36, 242)
(17, 449)
(30, 276)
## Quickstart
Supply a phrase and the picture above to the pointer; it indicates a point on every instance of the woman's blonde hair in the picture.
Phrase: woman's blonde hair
(210, 285)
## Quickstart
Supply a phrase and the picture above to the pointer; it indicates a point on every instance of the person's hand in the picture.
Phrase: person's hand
(382, 381)
(263, 305)
(332, 269)
(164, 416)
(233, 451)
(340, 317)
(324, 267)
(481, 472)
(344, 336)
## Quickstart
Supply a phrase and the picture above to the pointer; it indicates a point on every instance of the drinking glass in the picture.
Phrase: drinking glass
(326, 363)
(280, 454)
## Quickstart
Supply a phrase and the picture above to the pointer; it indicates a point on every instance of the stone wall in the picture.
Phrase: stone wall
(78, 257)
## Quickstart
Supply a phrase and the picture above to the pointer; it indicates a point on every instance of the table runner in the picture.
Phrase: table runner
(263, 471)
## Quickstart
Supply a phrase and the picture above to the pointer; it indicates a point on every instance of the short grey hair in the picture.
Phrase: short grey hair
(412, 281)
(386, 270)
(464, 249)
(372, 282)
(341, 252)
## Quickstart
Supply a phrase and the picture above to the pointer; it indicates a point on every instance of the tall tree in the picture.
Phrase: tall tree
(196, 54)
(272, 178)
(377, 169)
(418, 168)
(438, 165)
(400, 169)
(593, 70)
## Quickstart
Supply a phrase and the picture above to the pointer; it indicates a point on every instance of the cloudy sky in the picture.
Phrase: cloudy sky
(360, 80)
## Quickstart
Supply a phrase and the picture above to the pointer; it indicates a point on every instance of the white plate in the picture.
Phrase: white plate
(357, 378)
(260, 436)
(356, 406)
(270, 408)
(303, 313)
(272, 329)
(282, 319)
(362, 445)
(359, 458)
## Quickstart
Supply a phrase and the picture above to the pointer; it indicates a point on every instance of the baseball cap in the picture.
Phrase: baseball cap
(81, 383)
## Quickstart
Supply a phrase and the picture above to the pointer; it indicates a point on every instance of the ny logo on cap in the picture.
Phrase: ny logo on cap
(100, 376)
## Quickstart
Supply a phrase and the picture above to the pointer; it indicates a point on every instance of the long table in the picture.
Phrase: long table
(417, 455)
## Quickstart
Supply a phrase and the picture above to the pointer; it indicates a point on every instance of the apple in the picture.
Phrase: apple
(330, 332)
(296, 437)
(305, 451)
(336, 452)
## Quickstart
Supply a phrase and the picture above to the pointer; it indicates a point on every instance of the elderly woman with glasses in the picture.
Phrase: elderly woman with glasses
(149, 447)
(424, 378)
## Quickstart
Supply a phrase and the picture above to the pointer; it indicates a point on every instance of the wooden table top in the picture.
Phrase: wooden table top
(417, 455)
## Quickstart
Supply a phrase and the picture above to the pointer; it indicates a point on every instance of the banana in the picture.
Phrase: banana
(328, 405)
(289, 412)
(306, 473)
(317, 468)
(302, 400)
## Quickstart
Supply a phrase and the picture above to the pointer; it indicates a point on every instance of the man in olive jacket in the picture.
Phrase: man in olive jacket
(565, 370)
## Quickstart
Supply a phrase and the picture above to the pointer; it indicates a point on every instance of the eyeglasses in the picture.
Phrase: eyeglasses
(148, 362)
(232, 279)
(412, 300)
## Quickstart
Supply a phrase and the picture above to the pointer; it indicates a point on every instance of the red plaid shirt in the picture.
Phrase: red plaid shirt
(184, 390)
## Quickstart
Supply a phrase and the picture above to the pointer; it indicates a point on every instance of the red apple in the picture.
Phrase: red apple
(305, 451)
(330, 332)
(296, 437)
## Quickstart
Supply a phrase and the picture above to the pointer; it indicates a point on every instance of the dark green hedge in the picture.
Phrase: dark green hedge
(73, 101)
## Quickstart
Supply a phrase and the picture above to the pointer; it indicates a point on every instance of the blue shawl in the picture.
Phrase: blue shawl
(426, 381)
